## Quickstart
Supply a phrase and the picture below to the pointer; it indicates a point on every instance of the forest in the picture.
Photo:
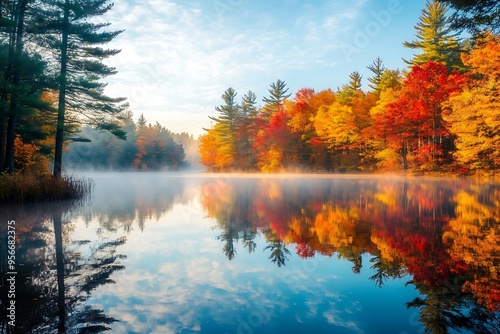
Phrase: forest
(147, 147)
(441, 114)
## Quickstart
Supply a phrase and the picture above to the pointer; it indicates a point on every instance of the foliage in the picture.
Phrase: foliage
(278, 92)
(475, 15)
(435, 37)
(475, 113)
(413, 125)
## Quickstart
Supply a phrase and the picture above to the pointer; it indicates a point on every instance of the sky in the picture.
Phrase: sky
(178, 57)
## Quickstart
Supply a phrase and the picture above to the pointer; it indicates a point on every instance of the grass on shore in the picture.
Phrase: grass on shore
(35, 188)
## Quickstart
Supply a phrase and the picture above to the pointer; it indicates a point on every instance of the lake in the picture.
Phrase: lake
(222, 253)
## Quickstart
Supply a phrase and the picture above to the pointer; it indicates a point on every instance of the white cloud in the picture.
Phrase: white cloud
(178, 58)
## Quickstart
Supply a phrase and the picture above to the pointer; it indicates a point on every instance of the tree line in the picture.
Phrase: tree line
(439, 114)
(147, 147)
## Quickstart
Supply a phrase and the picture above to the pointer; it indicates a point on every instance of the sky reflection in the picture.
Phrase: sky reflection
(178, 280)
(243, 254)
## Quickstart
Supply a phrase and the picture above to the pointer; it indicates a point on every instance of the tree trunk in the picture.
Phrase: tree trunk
(14, 98)
(404, 152)
(62, 94)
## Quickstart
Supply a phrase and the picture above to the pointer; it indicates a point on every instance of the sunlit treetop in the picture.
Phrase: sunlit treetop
(435, 38)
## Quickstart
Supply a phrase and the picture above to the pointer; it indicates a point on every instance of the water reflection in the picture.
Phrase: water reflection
(446, 235)
(220, 253)
(54, 275)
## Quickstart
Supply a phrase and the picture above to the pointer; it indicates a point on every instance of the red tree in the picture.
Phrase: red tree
(414, 123)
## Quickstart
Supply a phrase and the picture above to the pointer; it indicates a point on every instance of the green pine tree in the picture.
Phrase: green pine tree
(141, 122)
(22, 82)
(68, 27)
(346, 93)
(228, 121)
(475, 15)
(277, 94)
(435, 38)
(228, 113)
(377, 68)
(247, 130)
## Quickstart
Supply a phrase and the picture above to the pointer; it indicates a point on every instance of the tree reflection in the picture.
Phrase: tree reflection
(54, 277)
(233, 214)
(277, 247)
(436, 232)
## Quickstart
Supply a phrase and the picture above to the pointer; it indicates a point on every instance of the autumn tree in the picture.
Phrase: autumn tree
(156, 149)
(208, 149)
(336, 127)
(435, 38)
(301, 127)
(320, 157)
(414, 123)
(361, 107)
(382, 155)
(475, 113)
(272, 145)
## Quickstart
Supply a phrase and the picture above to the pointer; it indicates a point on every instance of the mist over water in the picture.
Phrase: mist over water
(184, 252)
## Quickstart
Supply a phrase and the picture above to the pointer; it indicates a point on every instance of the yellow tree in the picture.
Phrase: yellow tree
(216, 152)
(336, 127)
(474, 238)
(475, 113)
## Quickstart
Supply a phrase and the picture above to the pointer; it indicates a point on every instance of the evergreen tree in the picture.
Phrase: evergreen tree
(68, 28)
(277, 94)
(247, 130)
(23, 79)
(226, 126)
(228, 113)
(14, 67)
(475, 15)
(355, 82)
(346, 94)
(377, 68)
(435, 38)
(141, 122)
(248, 105)
(390, 79)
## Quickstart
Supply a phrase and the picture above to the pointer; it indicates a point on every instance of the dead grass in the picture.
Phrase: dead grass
(35, 188)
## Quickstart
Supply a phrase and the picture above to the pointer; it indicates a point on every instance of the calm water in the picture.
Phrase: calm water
(186, 253)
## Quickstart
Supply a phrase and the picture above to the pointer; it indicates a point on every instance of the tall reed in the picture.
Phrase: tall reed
(35, 188)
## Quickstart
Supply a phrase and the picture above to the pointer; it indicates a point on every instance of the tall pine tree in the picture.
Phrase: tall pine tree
(346, 93)
(68, 27)
(377, 68)
(278, 92)
(435, 38)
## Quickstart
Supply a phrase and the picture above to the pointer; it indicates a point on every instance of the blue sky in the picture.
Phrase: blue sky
(178, 57)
